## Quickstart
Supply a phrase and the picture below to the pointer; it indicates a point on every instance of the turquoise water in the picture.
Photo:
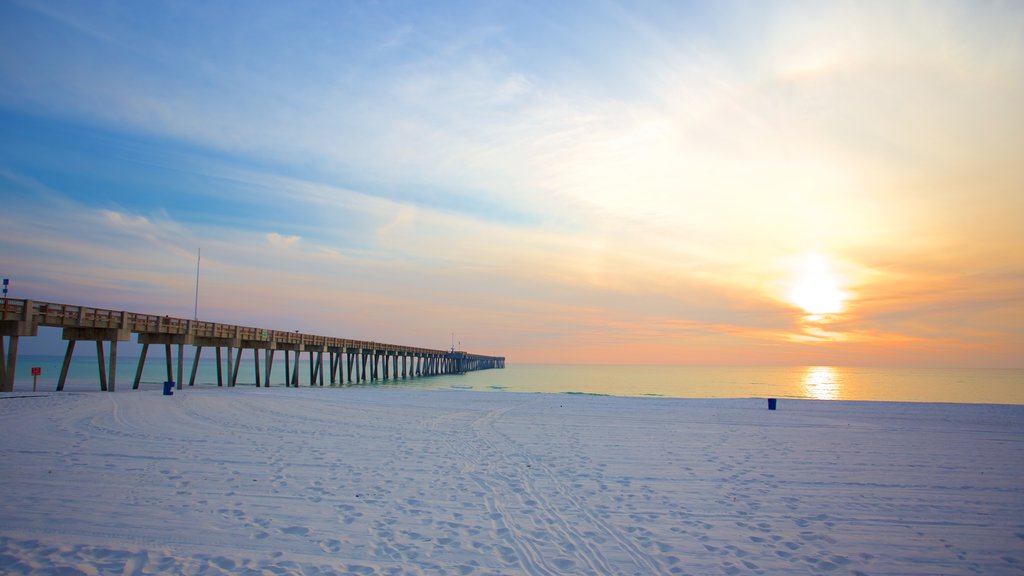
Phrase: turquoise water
(988, 386)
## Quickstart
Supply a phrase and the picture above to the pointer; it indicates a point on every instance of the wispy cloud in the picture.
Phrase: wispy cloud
(278, 241)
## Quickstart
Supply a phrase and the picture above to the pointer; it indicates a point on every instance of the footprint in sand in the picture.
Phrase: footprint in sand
(330, 546)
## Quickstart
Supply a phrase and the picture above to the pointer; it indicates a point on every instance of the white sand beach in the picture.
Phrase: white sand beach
(372, 481)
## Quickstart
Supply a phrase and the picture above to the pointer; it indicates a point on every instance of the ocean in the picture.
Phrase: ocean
(960, 385)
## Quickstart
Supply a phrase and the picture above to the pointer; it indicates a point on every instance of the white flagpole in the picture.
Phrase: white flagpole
(195, 311)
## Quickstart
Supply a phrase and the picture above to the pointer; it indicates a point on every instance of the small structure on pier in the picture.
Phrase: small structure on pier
(348, 360)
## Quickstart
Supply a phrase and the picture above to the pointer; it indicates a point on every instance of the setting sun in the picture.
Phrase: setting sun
(817, 289)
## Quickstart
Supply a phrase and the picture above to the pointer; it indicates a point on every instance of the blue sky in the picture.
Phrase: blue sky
(593, 182)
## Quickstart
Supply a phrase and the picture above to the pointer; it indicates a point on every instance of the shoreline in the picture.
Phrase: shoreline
(416, 385)
(984, 386)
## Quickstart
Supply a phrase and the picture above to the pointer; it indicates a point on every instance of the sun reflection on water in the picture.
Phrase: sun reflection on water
(821, 383)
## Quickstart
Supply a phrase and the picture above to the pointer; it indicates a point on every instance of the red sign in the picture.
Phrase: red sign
(37, 371)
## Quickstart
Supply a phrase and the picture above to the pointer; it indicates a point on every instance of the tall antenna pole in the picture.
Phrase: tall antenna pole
(195, 311)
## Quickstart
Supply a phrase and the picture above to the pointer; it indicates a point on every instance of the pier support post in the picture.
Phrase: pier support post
(100, 361)
(142, 363)
(170, 361)
(256, 364)
(181, 363)
(3, 369)
(231, 381)
(8, 367)
(195, 366)
(269, 358)
(220, 364)
(113, 365)
(64, 367)
(238, 362)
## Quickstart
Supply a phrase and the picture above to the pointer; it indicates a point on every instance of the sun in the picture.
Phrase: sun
(817, 289)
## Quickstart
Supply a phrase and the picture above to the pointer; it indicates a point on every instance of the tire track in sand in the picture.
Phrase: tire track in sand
(506, 474)
(637, 555)
(473, 450)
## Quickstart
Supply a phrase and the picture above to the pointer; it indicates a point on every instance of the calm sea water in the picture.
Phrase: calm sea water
(987, 386)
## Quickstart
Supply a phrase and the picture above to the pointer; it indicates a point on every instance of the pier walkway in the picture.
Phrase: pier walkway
(348, 361)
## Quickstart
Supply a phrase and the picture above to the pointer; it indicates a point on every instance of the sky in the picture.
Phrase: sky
(712, 183)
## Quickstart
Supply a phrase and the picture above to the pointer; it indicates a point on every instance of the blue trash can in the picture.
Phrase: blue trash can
(771, 403)
(169, 388)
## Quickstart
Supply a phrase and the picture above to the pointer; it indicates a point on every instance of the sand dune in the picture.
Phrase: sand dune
(364, 481)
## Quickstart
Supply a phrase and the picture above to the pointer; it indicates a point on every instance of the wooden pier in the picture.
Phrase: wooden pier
(348, 361)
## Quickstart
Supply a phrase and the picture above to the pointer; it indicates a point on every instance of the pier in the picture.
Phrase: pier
(338, 359)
